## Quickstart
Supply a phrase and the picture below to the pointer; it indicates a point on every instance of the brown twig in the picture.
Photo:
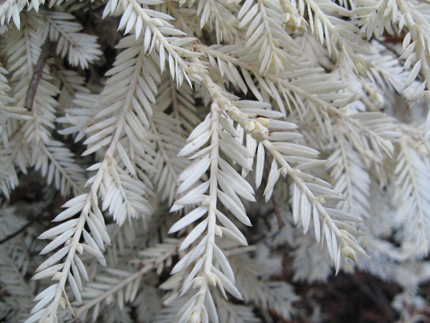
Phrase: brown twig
(277, 212)
(388, 47)
(34, 83)
(13, 235)
(377, 296)
(396, 54)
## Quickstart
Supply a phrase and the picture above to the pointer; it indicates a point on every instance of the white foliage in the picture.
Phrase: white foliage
(287, 112)
(13, 266)
(411, 177)
(272, 43)
(234, 313)
(81, 49)
(268, 295)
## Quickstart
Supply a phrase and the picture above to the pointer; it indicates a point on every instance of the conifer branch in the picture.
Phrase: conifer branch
(273, 88)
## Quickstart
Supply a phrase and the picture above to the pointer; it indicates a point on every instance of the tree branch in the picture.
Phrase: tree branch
(13, 235)
(34, 83)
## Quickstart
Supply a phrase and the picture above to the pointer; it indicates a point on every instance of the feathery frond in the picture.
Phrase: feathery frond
(289, 120)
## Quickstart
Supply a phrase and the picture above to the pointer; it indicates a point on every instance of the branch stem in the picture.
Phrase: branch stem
(37, 75)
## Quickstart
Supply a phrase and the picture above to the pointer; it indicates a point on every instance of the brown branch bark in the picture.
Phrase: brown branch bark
(13, 235)
(277, 212)
(34, 83)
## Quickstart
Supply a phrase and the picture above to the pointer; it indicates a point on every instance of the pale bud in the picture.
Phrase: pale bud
(264, 121)
(109, 300)
(259, 132)
(378, 98)
(218, 231)
(80, 249)
(211, 278)
(206, 200)
(198, 282)
(284, 171)
(360, 66)
(195, 317)
(193, 74)
(293, 22)
(348, 253)
(62, 303)
(249, 126)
